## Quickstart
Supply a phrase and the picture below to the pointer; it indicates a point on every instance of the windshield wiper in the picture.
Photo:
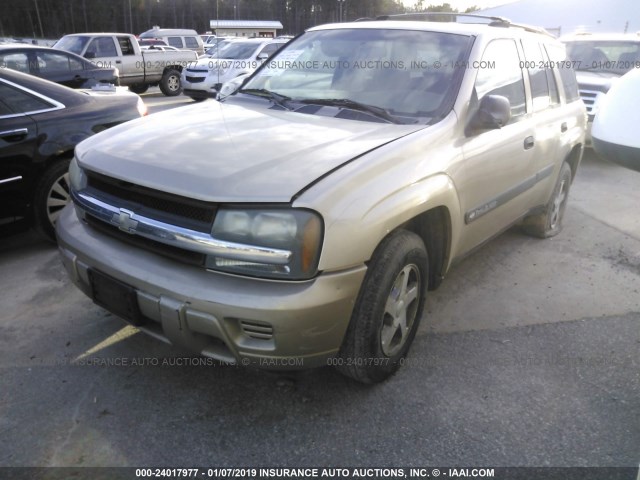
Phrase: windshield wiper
(280, 100)
(353, 105)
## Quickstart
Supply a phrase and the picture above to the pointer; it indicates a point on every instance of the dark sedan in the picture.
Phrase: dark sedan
(62, 67)
(40, 124)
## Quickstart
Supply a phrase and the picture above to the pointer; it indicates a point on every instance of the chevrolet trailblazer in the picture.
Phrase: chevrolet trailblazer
(302, 220)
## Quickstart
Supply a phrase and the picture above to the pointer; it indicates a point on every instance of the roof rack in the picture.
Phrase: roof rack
(453, 17)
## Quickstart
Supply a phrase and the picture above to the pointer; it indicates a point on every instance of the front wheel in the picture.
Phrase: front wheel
(51, 196)
(388, 310)
(549, 222)
(170, 83)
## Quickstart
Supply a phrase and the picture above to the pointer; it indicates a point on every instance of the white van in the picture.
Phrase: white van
(177, 37)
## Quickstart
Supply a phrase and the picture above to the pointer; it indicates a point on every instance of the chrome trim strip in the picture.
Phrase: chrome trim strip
(475, 213)
(179, 237)
(12, 179)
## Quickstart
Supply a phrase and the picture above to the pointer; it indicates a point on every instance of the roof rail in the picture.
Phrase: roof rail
(453, 17)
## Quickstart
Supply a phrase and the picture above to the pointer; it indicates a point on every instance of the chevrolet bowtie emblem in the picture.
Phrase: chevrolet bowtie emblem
(124, 220)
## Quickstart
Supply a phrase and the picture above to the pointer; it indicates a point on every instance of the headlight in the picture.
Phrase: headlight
(294, 236)
(77, 177)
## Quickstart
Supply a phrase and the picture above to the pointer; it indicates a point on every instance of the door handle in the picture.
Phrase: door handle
(529, 142)
(564, 127)
(14, 135)
(118, 61)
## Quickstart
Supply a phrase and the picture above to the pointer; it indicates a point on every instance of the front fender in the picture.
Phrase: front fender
(352, 238)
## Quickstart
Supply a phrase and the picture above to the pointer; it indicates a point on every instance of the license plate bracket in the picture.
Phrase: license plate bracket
(115, 296)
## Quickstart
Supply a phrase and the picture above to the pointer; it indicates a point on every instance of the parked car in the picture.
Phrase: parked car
(600, 60)
(205, 78)
(207, 39)
(302, 220)
(59, 66)
(615, 128)
(212, 49)
(177, 37)
(40, 124)
(138, 69)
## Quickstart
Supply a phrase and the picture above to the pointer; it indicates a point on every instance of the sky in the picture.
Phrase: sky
(461, 5)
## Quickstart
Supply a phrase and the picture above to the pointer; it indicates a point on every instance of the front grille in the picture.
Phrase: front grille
(260, 331)
(184, 256)
(195, 79)
(173, 209)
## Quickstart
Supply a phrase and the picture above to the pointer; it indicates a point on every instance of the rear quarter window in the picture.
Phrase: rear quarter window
(562, 63)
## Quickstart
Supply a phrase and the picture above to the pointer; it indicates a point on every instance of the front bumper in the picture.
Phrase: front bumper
(200, 86)
(272, 324)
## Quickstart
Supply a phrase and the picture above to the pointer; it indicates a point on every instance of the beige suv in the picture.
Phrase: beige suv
(301, 221)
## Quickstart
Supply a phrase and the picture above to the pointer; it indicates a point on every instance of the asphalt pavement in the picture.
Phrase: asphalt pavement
(528, 355)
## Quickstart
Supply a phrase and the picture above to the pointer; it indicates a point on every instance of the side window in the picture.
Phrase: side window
(558, 56)
(15, 61)
(502, 75)
(21, 102)
(191, 42)
(544, 90)
(175, 42)
(53, 62)
(75, 64)
(125, 46)
(4, 110)
(102, 47)
(535, 64)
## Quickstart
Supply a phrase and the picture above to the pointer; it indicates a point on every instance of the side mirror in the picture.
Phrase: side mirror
(494, 112)
(90, 55)
(263, 56)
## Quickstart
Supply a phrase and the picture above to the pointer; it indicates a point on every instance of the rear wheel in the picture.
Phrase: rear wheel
(388, 309)
(549, 222)
(170, 83)
(51, 196)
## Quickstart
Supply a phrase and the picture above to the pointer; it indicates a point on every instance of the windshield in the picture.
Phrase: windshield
(72, 44)
(213, 48)
(605, 56)
(401, 72)
(237, 50)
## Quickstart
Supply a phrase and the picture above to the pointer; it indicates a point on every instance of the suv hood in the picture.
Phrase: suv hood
(221, 152)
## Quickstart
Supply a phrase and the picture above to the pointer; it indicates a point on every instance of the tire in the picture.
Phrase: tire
(375, 344)
(51, 196)
(140, 88)
(549, 223)
(170, 83)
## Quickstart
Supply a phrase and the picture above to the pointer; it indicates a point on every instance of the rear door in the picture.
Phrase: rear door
(131, 66)
(18, 146)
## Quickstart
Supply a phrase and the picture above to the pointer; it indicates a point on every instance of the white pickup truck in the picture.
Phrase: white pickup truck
(138, 69)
